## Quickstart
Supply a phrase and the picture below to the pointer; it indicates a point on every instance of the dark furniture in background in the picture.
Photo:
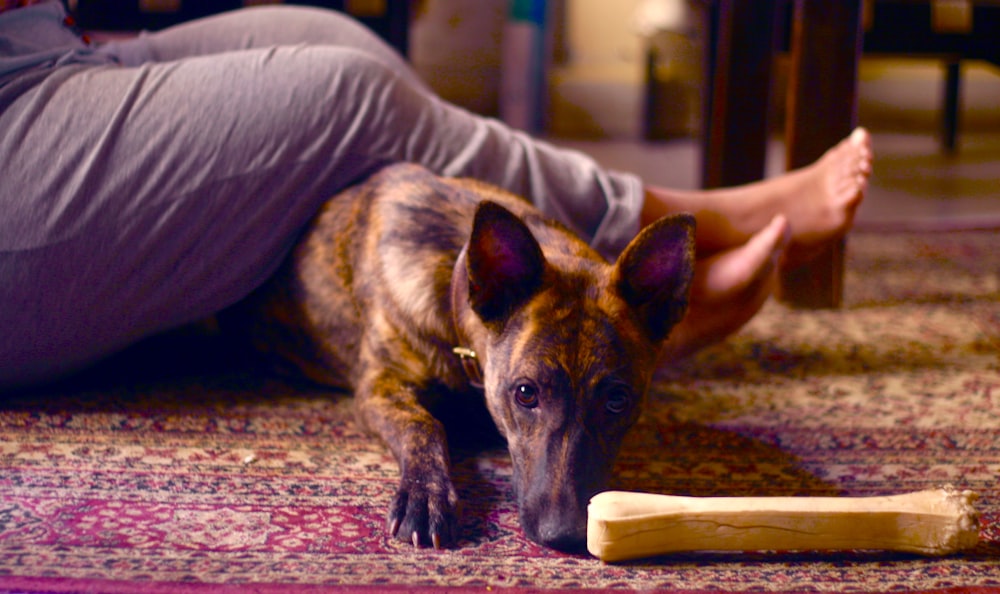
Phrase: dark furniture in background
(923, 28)
(825, 40)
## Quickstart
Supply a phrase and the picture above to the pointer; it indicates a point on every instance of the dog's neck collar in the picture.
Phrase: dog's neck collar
(459, 304)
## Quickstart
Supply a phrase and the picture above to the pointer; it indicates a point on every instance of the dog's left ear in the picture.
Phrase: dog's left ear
(504, 262)
(653, 274)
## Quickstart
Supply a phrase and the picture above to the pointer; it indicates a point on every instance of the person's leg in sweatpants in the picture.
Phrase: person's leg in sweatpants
(144, 197)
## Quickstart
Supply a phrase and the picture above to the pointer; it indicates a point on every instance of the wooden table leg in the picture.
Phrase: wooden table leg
(822, 109)
(741, 53)
(952, 105)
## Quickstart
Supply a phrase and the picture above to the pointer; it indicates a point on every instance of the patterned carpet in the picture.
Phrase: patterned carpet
(176, 468)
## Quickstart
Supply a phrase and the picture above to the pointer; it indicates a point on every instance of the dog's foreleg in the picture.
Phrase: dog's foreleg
(424, 508)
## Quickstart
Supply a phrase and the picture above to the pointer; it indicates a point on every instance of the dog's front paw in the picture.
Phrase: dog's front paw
(424, 511)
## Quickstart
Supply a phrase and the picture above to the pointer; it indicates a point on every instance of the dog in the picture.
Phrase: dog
(416, 291)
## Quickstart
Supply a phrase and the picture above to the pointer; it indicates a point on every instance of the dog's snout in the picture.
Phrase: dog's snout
(556, 521)
(554, 490)
(570, 537)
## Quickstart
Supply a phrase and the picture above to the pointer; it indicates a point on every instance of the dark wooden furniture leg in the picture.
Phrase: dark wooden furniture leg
(822, 109)
(952, 105)
(739, 64)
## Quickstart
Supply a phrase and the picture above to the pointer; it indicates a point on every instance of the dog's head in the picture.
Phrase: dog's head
(571, 344)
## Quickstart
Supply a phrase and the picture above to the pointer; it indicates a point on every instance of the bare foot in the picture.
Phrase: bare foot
(818, 201)
(744, 233)
(728, 289)
(831, 189)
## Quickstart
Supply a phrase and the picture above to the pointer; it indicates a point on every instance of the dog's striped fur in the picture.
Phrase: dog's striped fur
(566, 341)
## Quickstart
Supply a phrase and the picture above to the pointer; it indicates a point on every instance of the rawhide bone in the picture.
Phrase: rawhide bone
(623, 525)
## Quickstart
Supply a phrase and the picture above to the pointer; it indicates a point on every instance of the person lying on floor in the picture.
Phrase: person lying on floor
(153, 182)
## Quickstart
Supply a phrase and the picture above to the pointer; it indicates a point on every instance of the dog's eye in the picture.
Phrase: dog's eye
(618, 399)
(526, 395)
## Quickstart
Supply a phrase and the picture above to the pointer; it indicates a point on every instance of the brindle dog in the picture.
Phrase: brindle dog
(397, 271)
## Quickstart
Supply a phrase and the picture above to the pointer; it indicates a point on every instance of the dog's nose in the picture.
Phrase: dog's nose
(561, 537)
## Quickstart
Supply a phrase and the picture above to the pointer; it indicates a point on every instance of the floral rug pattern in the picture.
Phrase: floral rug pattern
(175, 464)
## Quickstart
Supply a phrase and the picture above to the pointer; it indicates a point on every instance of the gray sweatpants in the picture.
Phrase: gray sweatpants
(139, 196)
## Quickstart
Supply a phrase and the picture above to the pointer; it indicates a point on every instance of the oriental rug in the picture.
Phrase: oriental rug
(175, 467)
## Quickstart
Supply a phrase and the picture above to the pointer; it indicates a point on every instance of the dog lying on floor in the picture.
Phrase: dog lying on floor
(413, 290)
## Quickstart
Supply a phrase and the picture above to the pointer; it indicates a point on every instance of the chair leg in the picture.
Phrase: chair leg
(741, 50)
(951, 113)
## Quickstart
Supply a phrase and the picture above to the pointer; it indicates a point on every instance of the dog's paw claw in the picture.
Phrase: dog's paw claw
(424, 513)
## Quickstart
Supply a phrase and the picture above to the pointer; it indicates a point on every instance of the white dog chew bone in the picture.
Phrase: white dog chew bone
(623, 525)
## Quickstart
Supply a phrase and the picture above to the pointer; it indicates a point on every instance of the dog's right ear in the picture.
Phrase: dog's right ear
(504, 262)
(653, 275)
